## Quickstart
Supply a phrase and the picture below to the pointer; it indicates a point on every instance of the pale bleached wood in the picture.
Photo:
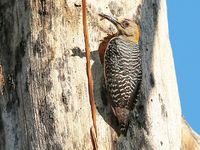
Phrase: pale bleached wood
(190, 139)
(44, 102)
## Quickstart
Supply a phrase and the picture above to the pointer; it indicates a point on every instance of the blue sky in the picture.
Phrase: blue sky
(184, 32)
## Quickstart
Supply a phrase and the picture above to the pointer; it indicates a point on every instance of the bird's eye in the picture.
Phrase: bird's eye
(125, 24)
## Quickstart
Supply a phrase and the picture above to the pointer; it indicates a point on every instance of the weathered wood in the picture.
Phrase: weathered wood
(190, 139)
(44, 100)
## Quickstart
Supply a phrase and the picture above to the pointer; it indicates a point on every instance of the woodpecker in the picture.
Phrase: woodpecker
(122, 69)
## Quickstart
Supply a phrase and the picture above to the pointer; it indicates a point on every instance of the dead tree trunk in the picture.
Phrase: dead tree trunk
(43, 84)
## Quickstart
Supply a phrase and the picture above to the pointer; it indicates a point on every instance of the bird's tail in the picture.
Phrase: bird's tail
(123, 116)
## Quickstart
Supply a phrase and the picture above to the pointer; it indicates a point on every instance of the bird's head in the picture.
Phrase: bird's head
(127, 28)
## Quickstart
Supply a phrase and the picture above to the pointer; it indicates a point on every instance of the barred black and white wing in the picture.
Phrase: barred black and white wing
(123, 73)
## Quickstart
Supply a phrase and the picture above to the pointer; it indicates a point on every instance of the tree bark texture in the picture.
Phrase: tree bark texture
(190, 139)
(44, 100)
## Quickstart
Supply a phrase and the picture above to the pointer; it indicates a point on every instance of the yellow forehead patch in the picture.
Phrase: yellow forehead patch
(120, 20)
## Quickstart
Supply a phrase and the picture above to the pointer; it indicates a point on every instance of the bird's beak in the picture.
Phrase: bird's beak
(111, 19)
